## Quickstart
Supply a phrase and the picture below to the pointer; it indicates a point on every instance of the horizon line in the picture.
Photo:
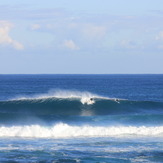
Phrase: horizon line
(82, 74)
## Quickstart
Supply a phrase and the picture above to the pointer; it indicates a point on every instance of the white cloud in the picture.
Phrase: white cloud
(159, 36)
(128, 44)
(91, 31)
(5, 39)
(70, 45)
(35, 26)
(159, 40)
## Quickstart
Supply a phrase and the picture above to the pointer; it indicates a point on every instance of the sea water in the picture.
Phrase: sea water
(81, 118)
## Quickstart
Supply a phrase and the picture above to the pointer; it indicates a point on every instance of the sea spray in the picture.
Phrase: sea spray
(62, 130)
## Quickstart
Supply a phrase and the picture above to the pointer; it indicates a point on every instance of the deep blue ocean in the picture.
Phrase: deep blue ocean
(81, 118)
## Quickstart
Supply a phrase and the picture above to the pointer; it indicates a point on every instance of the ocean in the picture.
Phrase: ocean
(81, 118)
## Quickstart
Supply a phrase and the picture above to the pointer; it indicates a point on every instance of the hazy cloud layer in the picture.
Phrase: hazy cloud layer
(60, 28)
(35, 26)
(78, 37)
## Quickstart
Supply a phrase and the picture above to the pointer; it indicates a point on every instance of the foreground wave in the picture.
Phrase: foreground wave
(64, 130)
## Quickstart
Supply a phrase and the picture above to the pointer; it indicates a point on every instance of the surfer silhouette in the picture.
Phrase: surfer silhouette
(117, 100)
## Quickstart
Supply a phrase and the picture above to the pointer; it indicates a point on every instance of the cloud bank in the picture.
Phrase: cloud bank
(5, 38)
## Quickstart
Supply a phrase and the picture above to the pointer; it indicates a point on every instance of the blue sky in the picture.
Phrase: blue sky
(95, 36)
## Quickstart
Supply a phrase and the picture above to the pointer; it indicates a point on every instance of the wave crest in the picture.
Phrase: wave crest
(62, 130)
(84, 96)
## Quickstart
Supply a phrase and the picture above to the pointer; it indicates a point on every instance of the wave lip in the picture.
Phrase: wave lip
(85, 96)
(61, 94)
(62, 130)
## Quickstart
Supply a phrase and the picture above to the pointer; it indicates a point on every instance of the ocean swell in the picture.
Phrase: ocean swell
(74, 106)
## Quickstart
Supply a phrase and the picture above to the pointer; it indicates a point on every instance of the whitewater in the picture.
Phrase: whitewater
(66, 131)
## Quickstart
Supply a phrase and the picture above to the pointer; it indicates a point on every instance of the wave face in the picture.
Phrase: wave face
(77, 106)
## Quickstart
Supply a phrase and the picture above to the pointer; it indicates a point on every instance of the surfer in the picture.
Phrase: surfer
(91, 101)
(117, 100)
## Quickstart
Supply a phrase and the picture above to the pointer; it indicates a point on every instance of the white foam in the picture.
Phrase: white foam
(87, 101)
(84, 96)
(62, 130)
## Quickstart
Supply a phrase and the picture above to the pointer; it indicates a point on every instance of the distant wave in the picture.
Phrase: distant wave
(77, 103)
(62, 130)
(84, 96)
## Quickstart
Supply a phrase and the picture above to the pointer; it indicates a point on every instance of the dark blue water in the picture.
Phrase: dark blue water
(81, 118)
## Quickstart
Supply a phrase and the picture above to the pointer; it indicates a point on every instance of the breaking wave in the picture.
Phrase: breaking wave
(77, 103)
(63, 94)
(74, 106)
(62, 130)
